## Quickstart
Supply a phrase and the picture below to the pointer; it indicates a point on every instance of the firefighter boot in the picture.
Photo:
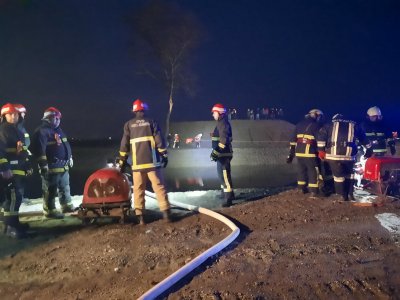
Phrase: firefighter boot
(228, 199)
(140, 217)
(67, 208)
(12, 230)
(167, 216)
(53, 214)
(141, 220)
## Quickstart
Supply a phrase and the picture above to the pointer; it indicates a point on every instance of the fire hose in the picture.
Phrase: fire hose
(193, 264)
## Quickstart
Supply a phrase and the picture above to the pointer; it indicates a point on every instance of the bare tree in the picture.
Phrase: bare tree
(168, 37)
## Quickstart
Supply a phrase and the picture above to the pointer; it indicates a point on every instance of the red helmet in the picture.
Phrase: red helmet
(219, 108)
(8, 108)
(139, 105)
(21, 109)
(51, 111)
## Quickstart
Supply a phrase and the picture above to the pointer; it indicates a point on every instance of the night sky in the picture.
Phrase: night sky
(339, 56)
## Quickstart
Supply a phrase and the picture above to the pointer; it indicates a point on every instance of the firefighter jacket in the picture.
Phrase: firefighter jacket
(221, 138)
(304, 138)
(142, 138)
(51, 148)
(378, 135)
(338, 139)
(13, 155)
(27, 139)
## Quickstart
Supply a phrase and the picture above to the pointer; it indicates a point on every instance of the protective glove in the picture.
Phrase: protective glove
(44, 172)
(164, 160)
(70, 162)
(368, 152)
(28, 168)
(393, 149)
(214, 155)
(121, 161)
(289, 159)
(321, 154)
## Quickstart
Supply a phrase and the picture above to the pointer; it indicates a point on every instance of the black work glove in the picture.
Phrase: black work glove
(122, 162)
(164, 160)
(368, 152)
(392, 147)
(214, 155)
(291, 155)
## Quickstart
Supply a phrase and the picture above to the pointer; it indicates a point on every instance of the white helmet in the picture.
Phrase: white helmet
(374, 111)
(315, 113)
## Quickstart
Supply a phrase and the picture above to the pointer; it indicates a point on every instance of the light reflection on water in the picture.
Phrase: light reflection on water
(189, 179)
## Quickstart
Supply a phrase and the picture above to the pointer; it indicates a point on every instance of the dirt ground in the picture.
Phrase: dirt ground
(289, 247)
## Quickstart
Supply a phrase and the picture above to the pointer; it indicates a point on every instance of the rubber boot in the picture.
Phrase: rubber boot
(141, 220)
(12, 230)
(167, 216)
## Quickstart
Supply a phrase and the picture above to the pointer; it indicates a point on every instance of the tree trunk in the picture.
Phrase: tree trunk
(167, 121)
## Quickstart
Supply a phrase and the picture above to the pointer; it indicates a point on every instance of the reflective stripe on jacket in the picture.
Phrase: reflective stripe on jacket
(143, 140)
(304, 138)
(50, 146)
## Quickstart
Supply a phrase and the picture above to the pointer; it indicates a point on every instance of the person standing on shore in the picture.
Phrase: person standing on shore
(143, 140)
(303, 146)
(222, 151)
(53, 152)
(13, 168)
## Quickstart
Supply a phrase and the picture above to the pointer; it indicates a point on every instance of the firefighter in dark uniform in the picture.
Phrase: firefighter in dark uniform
(377, 133)
(52, 151)
(142, 139)
(222, 151)
(13, 166)
(27, 141)
(303, 146)
(337, 145)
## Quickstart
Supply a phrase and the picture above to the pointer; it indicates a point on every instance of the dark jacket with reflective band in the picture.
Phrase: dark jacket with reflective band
(51, 148)
(338, 139)
(142, 138)
(27, 139)
(378, 135)
(222, 138)
(13, 155)
(304, 138)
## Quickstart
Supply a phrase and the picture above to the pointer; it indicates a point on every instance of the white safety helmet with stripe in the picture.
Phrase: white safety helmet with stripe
(374, 111)
(219, 108)
(315, 113)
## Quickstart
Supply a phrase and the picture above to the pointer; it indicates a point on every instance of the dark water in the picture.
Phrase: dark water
(90, 157)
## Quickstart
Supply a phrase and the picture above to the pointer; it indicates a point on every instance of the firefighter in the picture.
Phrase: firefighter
(27, 141)
(337, 145)
(52, 151)
(142, 139)
(222, 151)
(13, 165)
(303, 146)
(377, 133)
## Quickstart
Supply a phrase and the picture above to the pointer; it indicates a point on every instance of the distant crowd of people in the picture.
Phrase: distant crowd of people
(265, 113)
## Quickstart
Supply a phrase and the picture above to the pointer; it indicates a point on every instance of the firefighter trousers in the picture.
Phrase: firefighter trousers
(224, 175)
(343, 177)
(56, 184)
(307, 174)
(12, 199)
(139, 187)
